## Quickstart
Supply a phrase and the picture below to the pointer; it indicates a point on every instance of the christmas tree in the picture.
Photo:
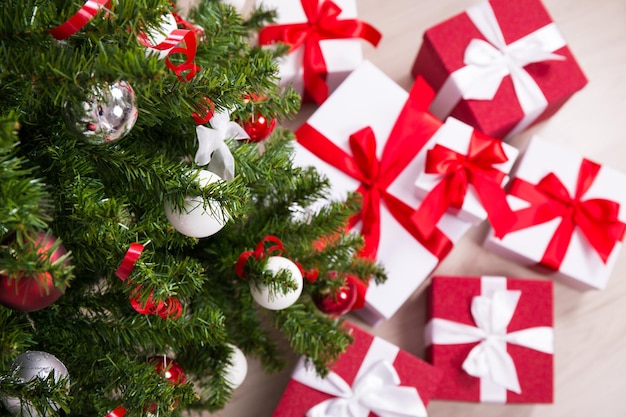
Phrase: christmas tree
(141, 208)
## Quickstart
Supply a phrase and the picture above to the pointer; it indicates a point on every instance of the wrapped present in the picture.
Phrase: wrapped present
(464, 173)
(372, 378)
(367, 137)
(493, 339)
(570, 216)
(500, 66)
(325, 43)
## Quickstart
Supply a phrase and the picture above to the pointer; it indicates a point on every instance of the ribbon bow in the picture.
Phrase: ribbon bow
(597, 218)
(458, 171)
(489, 358)
(378, 390)
(212, 149)
(412, 130)
(488, 62)
(259, 252)
(323, 23)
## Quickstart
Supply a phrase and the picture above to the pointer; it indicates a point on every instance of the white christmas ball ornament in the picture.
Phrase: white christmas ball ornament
(156, 35)
(238, 368)
(197, 218)
(277, 300)
(28, 366)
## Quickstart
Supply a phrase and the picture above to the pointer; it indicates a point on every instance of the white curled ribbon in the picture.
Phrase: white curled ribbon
(212, 149)
(376, 390)
(490, 359)
(487, 63)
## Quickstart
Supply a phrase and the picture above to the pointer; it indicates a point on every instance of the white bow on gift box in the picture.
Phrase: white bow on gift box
(489, 359)
(375, 390)
(212, 149)
(488, 63)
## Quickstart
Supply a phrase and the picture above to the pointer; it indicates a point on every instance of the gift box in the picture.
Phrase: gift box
(367, 137)
(492, 338)
(570, 216)
(464, 174)
(500, 66)
(372, 378)
(325, 39)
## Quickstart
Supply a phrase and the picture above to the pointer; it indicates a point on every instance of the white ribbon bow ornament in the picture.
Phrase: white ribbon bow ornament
(490, 359)
(377, 390)
(487, 63)
(212, 149)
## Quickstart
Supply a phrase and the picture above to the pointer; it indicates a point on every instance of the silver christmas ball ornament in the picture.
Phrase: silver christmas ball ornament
(109, 113)
(28, 366)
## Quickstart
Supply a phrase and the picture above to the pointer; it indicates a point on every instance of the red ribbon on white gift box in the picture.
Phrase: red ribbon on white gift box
(489, 360)
(596, 218)
(488, 63)
(323, 23)
(457, 171)
(376, 388)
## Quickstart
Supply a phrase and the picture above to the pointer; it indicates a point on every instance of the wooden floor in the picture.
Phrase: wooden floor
(590, 377)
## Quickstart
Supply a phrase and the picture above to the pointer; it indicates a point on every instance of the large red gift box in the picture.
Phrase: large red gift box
(373, 376)
(493, 339)
(500, 66)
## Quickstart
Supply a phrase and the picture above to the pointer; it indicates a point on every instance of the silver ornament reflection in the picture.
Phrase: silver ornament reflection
(108, 115)
(28, 366)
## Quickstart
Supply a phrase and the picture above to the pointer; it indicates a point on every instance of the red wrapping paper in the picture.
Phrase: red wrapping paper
(450, 298)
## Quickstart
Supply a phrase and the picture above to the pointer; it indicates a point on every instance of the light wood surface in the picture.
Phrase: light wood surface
(590, 360)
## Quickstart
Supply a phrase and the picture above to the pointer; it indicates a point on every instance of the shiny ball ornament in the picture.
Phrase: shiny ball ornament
(237, 370)
(32, 293)
(168, 369)
(109, 113)
(258, 127)
(28, 366)
(340, 302)
(197, 218)
(277, 300)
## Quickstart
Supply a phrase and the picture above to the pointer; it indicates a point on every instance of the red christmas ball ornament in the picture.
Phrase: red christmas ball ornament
(258, 127)
(170, 370)
(338, 303)
(32, 293)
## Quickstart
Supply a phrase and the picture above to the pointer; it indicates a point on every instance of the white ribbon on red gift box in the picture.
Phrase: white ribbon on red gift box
(489, 360)
(488, 63)
(376, 388)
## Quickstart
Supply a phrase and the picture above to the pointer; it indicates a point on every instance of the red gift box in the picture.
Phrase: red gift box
(493, 339)
(373, 377)
(500, 66)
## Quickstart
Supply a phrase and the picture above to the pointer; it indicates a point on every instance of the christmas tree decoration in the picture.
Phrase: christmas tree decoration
(33, 293)
(339, 302)
(169, 369)
(198, 218)
(155, 37)
(258, 127)
(275, 299)
(109, 113)
(237, 369)
(28, 366)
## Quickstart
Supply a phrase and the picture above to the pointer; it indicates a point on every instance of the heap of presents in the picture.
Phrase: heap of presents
(430, 164)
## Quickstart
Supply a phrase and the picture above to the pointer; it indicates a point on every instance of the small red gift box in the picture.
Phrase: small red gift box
(372, 378)
(500, 66)
(493, 339)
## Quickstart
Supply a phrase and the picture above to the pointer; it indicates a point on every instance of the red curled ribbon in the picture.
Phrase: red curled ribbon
(458, 171)
(177, 37)
(75, 23)
(323, 23)
(412, 130)
(597, 218)
(129, 261)
(260, 252)
(166, 309)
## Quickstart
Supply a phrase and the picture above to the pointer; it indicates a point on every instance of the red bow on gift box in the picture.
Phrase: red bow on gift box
(597, 218)
(458, 171)
(323, 23)
(411, 131)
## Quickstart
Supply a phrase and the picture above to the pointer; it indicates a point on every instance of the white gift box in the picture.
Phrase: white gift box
(581, 266)
(456, 135)
(342, 56)
(369, 98)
